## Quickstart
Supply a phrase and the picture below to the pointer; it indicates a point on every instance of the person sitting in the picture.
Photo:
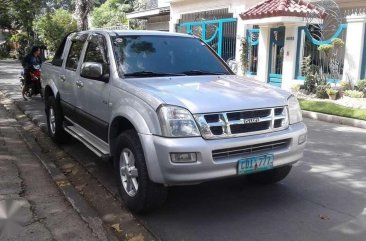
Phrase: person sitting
(30, 60)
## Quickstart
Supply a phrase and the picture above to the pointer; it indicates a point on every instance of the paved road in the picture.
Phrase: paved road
(324, 197)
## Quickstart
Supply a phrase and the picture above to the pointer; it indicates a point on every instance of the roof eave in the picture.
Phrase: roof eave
(148, 13)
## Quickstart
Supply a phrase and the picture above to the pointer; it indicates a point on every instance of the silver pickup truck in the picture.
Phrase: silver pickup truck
(168, 111)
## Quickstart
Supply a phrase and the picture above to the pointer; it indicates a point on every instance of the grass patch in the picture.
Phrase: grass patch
(332, 109)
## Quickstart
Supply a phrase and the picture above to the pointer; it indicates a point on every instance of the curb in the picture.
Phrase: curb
(334, 119)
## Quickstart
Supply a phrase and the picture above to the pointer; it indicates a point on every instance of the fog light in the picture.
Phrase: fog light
(183, 157)
(302, 139)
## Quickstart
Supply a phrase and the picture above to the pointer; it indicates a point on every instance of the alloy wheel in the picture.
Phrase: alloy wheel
(52, 121)
(128, 172)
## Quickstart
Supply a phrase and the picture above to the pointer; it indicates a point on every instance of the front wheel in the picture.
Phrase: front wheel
(270, 176)
(55, 121)
(138, 192)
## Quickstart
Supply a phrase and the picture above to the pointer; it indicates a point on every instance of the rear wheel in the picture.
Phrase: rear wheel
(55, 121)
(138, 192)
(270, 176)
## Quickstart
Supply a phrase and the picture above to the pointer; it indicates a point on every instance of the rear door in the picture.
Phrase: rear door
(69, 96)
(94, 94)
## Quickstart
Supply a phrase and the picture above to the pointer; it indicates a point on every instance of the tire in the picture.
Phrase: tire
(270, 176)
(138, 192)
(55, 121)
(28, 93)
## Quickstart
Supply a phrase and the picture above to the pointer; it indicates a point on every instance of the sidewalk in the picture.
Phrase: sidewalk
(31, 207)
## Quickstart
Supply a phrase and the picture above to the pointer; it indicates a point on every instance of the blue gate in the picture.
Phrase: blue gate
(216, 38)
(276, 51)
(309, 39)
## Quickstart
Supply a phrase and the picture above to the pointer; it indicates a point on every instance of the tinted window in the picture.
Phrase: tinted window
(96, 51)
(57, 59)
(74, 55)
(165, 54)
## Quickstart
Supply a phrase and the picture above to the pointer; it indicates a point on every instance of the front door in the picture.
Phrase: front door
(94, 94)
(276, 54)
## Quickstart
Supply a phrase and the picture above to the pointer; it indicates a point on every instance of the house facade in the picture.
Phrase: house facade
(278, 34)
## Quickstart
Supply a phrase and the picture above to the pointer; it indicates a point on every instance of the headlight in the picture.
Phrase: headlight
(177, 122)
(294, 110)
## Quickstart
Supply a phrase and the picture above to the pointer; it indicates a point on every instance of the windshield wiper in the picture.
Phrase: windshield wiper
(150, 74)
(201, 72)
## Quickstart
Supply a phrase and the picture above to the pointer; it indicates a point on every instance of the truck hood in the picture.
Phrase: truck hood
(205, 94)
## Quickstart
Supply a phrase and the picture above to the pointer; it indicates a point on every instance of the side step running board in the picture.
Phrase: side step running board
(97, 146)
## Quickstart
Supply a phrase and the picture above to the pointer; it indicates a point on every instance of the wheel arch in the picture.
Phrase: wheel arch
(125, 121)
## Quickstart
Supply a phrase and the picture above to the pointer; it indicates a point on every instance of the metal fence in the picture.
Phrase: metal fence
(252, 40)
(216, 27)
(331, 63)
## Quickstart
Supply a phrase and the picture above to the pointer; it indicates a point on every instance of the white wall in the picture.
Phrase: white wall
(354, 48)
(163, 3)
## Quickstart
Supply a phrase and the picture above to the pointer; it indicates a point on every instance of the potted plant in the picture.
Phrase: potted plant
(332, 93)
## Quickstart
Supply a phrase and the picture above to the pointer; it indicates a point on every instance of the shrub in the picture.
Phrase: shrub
(312, 78)
(338, 43)
(361, 85)
(331, 91)
(353, 93)
(345, 85)
(52, 27)
(321, 91)
(326, 48)
(295, 88)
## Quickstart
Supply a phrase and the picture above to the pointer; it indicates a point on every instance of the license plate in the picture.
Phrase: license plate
(255, 164)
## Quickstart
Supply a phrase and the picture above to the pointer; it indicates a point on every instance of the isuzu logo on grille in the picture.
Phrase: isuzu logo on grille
(251, 120)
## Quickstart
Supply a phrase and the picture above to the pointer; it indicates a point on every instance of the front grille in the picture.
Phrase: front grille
(250, 149)
(241, 123)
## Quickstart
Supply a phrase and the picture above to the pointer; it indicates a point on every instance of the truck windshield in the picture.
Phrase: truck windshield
(147, 56)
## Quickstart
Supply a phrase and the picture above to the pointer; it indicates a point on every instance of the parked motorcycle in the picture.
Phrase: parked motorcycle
(34, 87)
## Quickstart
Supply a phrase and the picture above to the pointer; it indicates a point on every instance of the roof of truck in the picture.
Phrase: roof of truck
(140, 32)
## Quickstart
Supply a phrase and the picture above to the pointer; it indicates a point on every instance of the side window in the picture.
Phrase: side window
(74, 55)
(95, 53)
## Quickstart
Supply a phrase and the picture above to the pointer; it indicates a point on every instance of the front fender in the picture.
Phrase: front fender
(133, 116)
(52, 86)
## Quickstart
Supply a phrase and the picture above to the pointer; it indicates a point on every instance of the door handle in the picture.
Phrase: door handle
(63, 78)
(79, 84)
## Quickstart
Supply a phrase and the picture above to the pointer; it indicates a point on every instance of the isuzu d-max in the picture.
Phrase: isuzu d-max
(167, 110)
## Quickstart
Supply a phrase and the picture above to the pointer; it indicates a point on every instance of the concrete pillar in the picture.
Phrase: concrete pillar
(289, 58)
(241, 29)
(263, 53)
(354, 48)
(174, 19)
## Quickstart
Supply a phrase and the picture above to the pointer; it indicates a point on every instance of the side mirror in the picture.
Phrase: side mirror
(92, 70)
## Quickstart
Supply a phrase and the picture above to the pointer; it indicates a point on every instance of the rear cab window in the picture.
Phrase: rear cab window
(58, 58)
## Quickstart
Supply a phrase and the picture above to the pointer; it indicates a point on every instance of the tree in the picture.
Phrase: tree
(82, 9)
(49, 6)
(19, 14)
(110, 13)
(52, 27)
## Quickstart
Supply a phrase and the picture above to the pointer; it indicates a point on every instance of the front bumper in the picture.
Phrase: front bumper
(162, 170)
